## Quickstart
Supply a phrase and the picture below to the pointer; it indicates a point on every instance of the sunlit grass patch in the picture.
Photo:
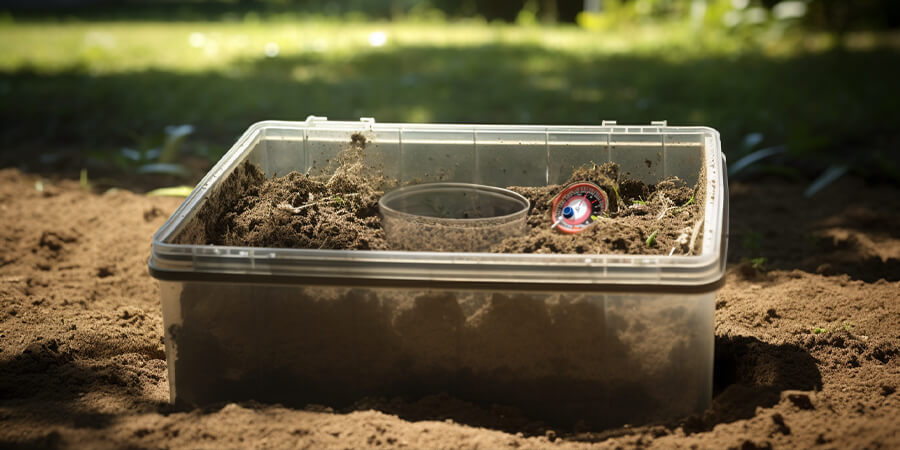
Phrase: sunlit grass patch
(99, 86)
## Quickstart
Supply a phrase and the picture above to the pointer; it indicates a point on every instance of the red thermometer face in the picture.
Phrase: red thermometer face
(578, 206)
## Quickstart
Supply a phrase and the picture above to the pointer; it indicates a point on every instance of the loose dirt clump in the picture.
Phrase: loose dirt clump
(297, 210)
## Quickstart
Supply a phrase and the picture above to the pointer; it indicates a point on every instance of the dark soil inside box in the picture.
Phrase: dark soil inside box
(340, 211)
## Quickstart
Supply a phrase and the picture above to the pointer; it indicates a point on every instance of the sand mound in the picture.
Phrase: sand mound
(807, 353)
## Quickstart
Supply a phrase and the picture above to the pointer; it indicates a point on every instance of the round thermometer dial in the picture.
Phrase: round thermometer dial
(578, 206)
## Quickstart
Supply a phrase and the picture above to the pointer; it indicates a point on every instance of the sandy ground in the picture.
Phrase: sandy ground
(82, 361)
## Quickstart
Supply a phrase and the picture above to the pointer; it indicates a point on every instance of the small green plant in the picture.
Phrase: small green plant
(848, 327)
(651, 241)
(616, 191)
(157, 154)
(172, 191)
(685, 205)
(751, 240)
(819, 330)
(758, 263)
(83, 180)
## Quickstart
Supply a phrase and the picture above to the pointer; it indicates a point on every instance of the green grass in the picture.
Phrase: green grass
(651, 240)
(94, 87)
(758, 263)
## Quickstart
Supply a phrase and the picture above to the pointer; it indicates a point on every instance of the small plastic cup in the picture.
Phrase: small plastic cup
(451, 217)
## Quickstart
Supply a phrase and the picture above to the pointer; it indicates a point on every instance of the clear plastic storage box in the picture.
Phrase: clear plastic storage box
(601, 339)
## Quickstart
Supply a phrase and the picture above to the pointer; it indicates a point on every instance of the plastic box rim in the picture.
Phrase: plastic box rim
(697, 273)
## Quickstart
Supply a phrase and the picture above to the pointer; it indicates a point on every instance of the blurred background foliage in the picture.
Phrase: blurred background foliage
(837, 15)
(160, 89)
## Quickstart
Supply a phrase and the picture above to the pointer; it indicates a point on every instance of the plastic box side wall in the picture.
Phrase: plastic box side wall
(515, 158)
(605, 358)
